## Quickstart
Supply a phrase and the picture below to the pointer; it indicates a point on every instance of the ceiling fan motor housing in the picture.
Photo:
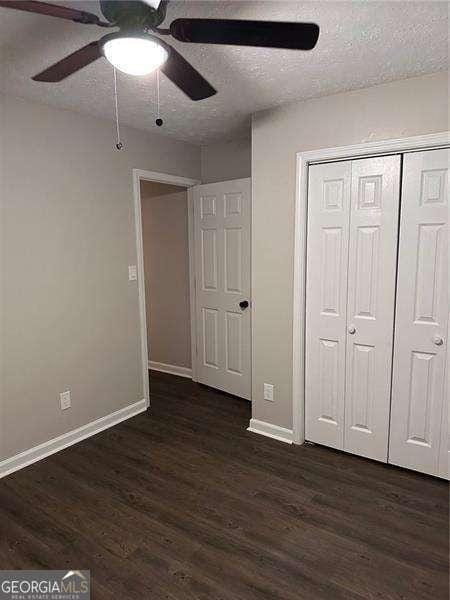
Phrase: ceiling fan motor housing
(129, 14)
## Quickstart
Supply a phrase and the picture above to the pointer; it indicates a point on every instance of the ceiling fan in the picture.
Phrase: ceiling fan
(138, 49)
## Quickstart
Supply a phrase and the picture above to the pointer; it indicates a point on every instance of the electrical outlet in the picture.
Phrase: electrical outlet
(65, 401)
(132, 272)
(268, 392)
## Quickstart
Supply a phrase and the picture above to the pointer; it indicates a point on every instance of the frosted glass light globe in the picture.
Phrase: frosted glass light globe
(135, 55)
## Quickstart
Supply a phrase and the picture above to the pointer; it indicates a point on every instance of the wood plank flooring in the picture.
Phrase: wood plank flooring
(182, 503)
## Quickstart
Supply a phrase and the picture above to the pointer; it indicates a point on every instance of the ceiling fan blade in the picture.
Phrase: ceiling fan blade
(267, 34)
(71, 64)
(53, 10)
(183, 75)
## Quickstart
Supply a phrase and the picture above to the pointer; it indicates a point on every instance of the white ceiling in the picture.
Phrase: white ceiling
(361, 44)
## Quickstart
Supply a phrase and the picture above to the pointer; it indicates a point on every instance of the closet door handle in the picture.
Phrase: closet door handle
(438, 340)
(352, 329)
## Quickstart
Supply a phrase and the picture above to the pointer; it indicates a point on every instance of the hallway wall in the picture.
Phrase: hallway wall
(166, 264)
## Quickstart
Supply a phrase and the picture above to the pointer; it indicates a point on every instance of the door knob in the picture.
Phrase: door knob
(438, 340)
(352, 329)
(243, 304)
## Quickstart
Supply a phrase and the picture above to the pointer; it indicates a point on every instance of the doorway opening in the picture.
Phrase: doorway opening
(193, 248)
(165, 237)
(152, 192)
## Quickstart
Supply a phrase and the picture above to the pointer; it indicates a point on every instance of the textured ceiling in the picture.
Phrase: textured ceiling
(361, 44)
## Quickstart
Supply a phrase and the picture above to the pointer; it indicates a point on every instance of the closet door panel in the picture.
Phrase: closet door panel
(419, 426)
(327, 258)
(375, 192)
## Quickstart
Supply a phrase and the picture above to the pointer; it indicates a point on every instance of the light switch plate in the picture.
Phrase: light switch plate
(65, 401)
(132, 272)
(268, 392)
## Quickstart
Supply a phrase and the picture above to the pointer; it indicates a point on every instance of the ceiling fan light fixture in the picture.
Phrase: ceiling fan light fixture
(135, 55)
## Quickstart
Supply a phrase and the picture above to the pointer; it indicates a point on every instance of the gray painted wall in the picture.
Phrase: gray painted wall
(69, 316)
(226, 160)
(166, 263)
(400, 109)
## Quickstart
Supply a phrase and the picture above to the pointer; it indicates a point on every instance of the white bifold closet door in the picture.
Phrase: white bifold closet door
(326, 302)
(351, 270)
(372, 268)
(419, 420)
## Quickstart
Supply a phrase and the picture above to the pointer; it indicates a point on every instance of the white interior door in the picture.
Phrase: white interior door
(222, 217)
(326, 301)
(372, 269)
(350, 294)
(419, 428)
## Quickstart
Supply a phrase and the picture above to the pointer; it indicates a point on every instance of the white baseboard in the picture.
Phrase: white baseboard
(273, 431)
(28, 457)
(172, 369)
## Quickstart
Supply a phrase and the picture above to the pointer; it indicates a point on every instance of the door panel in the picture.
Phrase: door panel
(373, 233)
(419, 420)
(233, 260)
(234, 342)
(209, 259)
(327, 258)
(222, 259)
(210, 335)
(351, 266)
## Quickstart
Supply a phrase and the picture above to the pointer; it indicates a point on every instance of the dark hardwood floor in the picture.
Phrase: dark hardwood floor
(183, 503)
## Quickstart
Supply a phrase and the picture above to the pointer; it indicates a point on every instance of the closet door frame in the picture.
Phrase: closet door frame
(304, 159)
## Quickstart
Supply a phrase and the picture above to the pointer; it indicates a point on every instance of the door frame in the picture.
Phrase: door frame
(303, 160)
(138, 176)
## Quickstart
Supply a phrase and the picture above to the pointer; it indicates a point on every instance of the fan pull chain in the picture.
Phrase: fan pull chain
(158, 121)
(119, 144)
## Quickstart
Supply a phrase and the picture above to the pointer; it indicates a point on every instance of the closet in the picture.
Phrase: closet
(377, 308)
